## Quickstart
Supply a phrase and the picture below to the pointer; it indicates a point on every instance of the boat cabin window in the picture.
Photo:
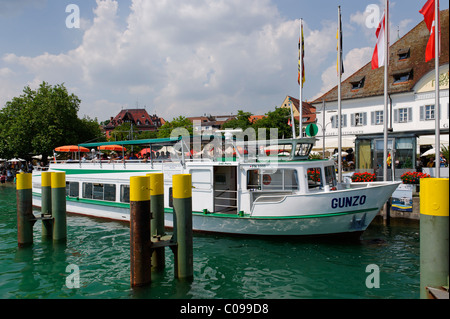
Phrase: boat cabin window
(72, 189)
(270, 180)
(99, 191)
(315, 177)
(125, 193)
(87, 190)
(302, 149)
(330, 176)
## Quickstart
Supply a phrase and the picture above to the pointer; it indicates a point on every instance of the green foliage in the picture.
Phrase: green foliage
(123, 133)
(181, 121)
(273, 119)
(445, 152)
(276, 119)
(39, 121)
(242, 121)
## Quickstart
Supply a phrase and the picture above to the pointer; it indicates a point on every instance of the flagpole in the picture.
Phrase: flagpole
(386, 67)
(436, 103)
(300, 101)
(339, 101)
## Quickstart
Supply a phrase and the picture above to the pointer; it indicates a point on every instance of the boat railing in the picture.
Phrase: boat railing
(226, 195)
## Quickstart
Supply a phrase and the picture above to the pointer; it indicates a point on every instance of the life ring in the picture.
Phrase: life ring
(267, 179)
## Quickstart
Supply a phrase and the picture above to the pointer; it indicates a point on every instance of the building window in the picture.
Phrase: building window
(403, 76)
(335, 123)
(404, 54)
(359, 119)
(358, 83)
(376, 118)
(427, 112)
(403, 115)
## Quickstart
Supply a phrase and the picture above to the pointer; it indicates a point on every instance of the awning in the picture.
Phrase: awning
(331, 143)
(135, 142)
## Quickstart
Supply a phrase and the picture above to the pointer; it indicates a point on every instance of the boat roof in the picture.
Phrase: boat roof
(296, 152)
(135, 142)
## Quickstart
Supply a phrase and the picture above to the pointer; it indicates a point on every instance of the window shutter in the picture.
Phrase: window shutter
(365, 118)
(395, 116)
(372, 118)
(353, 119)
(422, 113)
(409, 114)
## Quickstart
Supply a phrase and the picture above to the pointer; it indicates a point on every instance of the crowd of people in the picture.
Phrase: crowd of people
(9, 170)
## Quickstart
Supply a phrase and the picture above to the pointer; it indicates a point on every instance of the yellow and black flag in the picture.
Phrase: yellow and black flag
(339, 45)
(301, 56)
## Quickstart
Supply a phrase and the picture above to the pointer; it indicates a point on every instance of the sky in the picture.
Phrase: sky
(187, 57)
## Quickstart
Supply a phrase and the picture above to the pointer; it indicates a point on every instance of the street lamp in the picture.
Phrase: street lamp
(324, 126)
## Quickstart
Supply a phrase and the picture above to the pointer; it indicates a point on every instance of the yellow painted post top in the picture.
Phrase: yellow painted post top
(23, 181)
(434, 196)
(58, 179)
(46, 179)
(156, 184)
(139, 188)
(182, 186)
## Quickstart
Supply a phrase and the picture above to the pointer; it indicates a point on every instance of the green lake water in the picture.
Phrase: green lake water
(224, 267)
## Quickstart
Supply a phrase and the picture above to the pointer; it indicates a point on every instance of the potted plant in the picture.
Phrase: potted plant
(414, 179)
(363, 177)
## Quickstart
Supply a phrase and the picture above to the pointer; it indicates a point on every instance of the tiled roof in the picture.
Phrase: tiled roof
(138, 117)
(309, 111)
(415, 41)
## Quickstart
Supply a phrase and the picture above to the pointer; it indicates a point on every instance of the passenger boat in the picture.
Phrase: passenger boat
(237, 188)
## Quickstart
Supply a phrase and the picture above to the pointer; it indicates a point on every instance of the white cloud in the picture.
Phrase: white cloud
(353, 61)
(186, 58)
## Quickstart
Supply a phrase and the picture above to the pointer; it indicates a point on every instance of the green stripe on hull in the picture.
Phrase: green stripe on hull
(217, 215)
(101, 171)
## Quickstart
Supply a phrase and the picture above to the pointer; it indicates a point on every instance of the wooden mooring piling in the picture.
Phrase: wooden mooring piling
(147, 237)
(434, 231)
(53, 211)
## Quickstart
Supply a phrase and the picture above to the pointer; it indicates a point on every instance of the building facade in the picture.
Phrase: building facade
(138, 118)
(411, 102)
(308, 115)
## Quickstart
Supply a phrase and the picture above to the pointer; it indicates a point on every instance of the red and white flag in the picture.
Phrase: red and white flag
(378, 54)
(428, 12)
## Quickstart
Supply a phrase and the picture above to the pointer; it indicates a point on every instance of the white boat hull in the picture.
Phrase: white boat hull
(326, 219)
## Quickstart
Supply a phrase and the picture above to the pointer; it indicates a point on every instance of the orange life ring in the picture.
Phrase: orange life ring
(267, 179)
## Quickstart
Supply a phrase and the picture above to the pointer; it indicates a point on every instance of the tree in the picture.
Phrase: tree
(168, 127)
(242, 121)
(40, 120)
(276, 119)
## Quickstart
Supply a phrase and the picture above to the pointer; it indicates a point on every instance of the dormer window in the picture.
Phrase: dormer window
(404, 54)
(402, 76)
(358, 83)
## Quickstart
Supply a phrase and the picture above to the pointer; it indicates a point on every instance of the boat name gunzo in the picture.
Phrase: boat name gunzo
(348, 201)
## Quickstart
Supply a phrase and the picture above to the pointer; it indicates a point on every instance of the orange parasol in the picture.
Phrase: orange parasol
(145, 150)
(112, 148)
(71, 148)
